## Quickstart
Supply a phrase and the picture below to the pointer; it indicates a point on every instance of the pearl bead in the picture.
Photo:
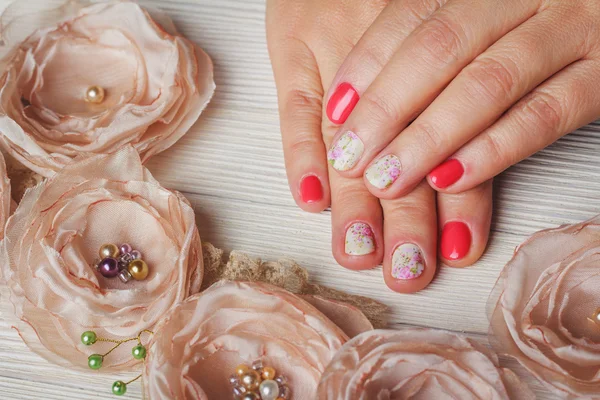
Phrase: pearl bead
(109, 267)
(88, 338)
(109, 250)
(597, 316)
(250, 396)
(269, 390)
(139, 352)
(95, 361)
(241, 369)
(138, 269)
(125, 248)
(94, 94)
(268, 373)
(136, 255)
(250, 380)
(119, 388)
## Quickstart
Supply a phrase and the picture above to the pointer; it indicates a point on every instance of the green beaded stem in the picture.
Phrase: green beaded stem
(88, 338)
(119, 388)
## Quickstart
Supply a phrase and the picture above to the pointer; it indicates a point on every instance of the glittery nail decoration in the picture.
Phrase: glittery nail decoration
(384, 172)
(345, 152)
(360, 240)
(407, 262)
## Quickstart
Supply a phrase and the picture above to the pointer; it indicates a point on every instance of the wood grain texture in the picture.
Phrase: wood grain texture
(247, 206)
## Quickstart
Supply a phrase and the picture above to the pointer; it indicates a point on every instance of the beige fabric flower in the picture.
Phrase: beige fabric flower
(417, 364)
(155, 82)
(52, 242)
(544, 302)
(201, 341)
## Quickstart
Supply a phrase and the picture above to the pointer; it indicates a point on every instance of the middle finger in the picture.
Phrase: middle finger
(425, 62)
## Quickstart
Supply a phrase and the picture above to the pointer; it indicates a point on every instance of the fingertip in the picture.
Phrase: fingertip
(312, 193)
(465, 221)
(341, 103)
(410, 267)
(356, 245)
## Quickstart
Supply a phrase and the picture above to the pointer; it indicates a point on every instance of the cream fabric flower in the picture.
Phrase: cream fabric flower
(52, 242)
(417, 364)
(544, 304)
(155, 82)
(201, 341)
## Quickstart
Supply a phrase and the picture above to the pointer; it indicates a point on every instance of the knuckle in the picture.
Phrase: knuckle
(495, 151)
(304, 102)
(430, 138)
(380, 108)
(374, 58)
(543, 111)
(304, 143)
(441, 40)
(491, 78)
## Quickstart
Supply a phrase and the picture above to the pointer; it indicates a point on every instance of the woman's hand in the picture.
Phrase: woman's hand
(462, 89)
(308, 41)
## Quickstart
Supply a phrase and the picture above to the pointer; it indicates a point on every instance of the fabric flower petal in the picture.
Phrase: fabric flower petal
(419, 364)
(542, 309)
(201, 341)
(51, 246)
(155, 82)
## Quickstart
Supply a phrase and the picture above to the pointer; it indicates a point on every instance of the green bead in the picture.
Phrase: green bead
(119, 388)
(95, 361)
(88, 338)
(139, 352)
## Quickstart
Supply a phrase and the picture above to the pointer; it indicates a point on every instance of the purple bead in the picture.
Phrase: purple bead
(109, 267)
(136, 255)
(125, 248)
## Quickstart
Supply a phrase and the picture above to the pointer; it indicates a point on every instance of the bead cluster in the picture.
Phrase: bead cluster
(122, 261)
(258, 383)
(95, 361)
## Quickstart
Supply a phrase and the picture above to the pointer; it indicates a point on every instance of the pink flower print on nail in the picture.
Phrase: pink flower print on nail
(360, 240)
(384, 171)
(407, 262)
(345, 152)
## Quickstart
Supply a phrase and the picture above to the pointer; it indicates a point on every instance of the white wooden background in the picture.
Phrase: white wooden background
(250, 208)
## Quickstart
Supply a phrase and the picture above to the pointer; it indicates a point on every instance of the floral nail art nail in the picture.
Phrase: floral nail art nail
(384, 172)
(360, 240)
(407, 262)
(345, 152)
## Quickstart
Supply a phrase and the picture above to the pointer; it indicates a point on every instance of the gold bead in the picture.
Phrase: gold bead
(94, 94)
(268, 373)
(241, 369)
(138, 269)
(250, 379)
(109, 250)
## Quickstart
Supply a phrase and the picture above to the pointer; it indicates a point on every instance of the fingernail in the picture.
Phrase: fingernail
(407, 262)
(345, 152)
(456, 240)
(311, 189)
(342, 103)
(446, 173)
(384, 171)
(360, 240)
